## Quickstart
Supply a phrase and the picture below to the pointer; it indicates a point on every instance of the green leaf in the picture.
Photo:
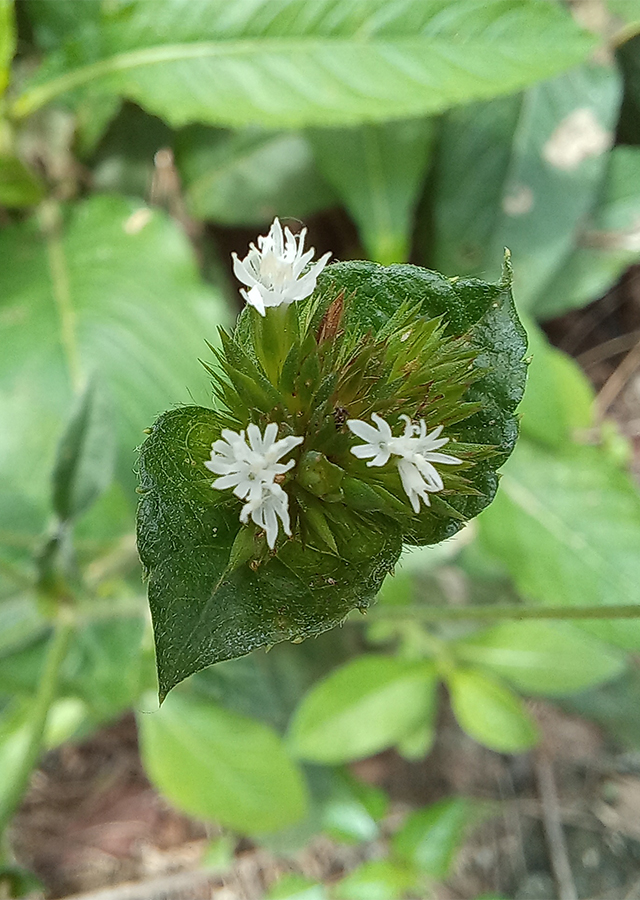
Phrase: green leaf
(491, 713)
(205, 610)
(114, 291)
(524, 172)
(20, 623)
(430, 837)
(270, 62)
(221, 766)
(378, 172)
(567, 527)
(363, 707)
(19, 186)
(7, 42)
(376, 879)
(295, 887)
(558, 404)
(607, 242)
(203, 614)
(250, 176)
(542, 657)
(86, 454)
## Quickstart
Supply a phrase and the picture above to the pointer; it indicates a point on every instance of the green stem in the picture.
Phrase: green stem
(513, 611)
(43, 700)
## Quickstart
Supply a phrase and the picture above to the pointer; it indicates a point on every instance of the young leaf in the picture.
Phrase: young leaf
(270, 62)
(365, 706)
(378, 171)
(542, 657)
(490, 712)
(376, 879)
(19, 186)
(567, 527)
(430, 837)
(221, 766)
(86, 454)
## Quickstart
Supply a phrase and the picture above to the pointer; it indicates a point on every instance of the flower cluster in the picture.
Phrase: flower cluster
(274, 271)
(415, 452)
(253, 469)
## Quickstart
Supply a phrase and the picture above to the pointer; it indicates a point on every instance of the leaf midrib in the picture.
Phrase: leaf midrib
(40, 94)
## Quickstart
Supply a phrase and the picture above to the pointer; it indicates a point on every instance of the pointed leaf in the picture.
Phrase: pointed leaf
(378, 172)
(430, 837)
(221, 766)
(273, 63)
(490, 712)
(363, 707)
(86, 454)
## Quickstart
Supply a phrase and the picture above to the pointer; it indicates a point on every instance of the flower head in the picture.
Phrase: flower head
(274, 271)
(415, 449)
(250, 468)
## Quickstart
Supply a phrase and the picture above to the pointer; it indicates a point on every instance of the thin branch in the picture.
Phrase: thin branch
(512, 611)
(552, 822)
(616, 382)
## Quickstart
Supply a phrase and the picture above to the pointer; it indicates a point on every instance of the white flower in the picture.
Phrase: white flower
(415, 449)
(274, 270)
(251, 469)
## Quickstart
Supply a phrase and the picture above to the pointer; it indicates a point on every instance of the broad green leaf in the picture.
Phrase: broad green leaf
(613, 706)
(626, 15)
(295, 887)
(608, 241)
(281, 63)
(490, 712)
(86, 453)
(430, 837)
(7, 41)
(376, 879)
(378, 172)
(365, 706)
(220, 766)
(112, 290)
(542, 657)
(19, 186)
(558, 404)
(567, 527)
(523, 172)
(250, 176)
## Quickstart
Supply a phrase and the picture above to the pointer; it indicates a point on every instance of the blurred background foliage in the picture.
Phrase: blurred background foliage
(142, 141)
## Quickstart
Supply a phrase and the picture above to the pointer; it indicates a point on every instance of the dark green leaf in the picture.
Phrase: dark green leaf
(202, 614)
(221, 766)
(86, 454)
(365, 706)
(490, 712)
(248, 177)
(378, 171)
(270, 62)
(542, 657)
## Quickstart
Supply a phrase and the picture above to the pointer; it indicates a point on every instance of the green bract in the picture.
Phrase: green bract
(397, 340)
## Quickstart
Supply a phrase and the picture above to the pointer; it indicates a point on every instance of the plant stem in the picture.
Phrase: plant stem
(512, 611)
(41, 705)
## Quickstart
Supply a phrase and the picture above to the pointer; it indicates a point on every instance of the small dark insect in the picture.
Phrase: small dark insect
(340, 416)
